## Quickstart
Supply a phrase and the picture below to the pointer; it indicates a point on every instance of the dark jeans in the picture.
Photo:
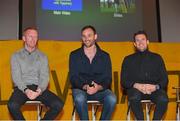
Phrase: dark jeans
(107, 98)
(49, 99)
(158, 97)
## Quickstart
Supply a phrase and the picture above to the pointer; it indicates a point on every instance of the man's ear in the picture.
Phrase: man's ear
(23, 38)
(134, 43)
(147, 41)
(95, 36)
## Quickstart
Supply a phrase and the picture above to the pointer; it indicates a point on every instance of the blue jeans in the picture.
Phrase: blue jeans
(106, 97)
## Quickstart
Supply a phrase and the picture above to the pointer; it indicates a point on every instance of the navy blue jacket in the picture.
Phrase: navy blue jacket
(83, 72)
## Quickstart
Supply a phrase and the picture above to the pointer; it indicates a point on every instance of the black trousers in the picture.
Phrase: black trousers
(158, 97)
(49, 99)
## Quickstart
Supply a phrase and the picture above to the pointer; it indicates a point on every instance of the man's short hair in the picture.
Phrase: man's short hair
(140, 32)
(30, 28)
(88, 27)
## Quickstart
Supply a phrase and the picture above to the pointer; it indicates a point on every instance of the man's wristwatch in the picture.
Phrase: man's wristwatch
(157, 86)
(25, 89)
(85, 87)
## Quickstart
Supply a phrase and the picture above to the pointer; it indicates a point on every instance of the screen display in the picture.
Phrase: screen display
(114, 20)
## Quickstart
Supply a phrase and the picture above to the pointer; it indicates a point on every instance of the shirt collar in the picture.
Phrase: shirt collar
(142, 53)
(29, 53)
(98, 50)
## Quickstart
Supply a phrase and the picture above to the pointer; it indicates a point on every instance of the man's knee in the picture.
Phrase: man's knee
(57, 105)
(13, 105)
(134, 95)
(161, 97)
(111, 99)
(79, 96)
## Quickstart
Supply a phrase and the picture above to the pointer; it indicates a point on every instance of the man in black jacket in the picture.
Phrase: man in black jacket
(91, 76)
(144, 76)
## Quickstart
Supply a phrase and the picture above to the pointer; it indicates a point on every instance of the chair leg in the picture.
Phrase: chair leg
(93, 114)
(128, 113)
(74, 114)
(38, 112)
(147, 111)
(150, 106)
(96, 109)
(177, 112)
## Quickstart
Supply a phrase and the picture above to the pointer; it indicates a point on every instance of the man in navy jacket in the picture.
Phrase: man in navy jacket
(91, 76)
